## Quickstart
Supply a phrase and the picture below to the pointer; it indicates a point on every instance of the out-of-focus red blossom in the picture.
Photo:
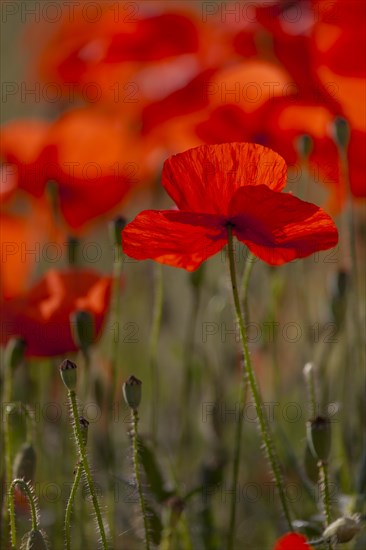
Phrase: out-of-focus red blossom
(21, 142)
(113, 50)
(236, 184)
(91, 155)
(95, 161)
(292, 541)
(42, 315)
(338, 43)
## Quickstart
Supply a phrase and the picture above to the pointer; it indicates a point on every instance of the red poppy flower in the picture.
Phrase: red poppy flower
(42, 315)
(236, 184)
(292, 541)
(21, 144)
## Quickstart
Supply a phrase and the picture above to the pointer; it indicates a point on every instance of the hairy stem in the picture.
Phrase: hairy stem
(249, 374)
(70, 504)
(86, 467)
(136, 464)
(31, 498)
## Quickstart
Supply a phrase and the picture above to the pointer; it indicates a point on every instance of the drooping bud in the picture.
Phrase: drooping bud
(340, 132)
(82, 329)
(68, 374)
(84, 425)
(304, 146)
(319, 437)
(36, 540)
(14, 352)
(115, 230)
(132, 392)
(343, 529)
(25, 463)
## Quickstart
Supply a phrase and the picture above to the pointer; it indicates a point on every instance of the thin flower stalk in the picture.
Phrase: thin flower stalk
(249, 374)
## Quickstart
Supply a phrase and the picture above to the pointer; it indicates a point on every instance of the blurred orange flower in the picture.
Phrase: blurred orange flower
(42, 315)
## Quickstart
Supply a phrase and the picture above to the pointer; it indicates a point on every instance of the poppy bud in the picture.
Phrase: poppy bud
(36, 541)
(319, 437)
(115, 230)
(82, 329)
(343, 529)
(68, 374)
(14, 352)
(25, 463)
(132, 392)
(84, 425)
(340, 132)
(304, 146)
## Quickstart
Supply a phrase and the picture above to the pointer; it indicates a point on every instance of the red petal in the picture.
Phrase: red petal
(292, 541)
(179, 239)
(278, 227)
(204, 179)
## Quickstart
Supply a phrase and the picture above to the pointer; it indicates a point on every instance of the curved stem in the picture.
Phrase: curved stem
(70, 504)
(249, 373)
(153, 346)
(31, 498)
(135, 419)
(86, 467)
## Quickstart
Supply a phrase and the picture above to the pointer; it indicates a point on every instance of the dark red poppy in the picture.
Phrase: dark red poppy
(42, 315)
(292, 541)
(236, 184)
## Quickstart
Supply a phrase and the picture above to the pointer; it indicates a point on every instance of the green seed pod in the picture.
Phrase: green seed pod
(319, 437)
(82, 329)
(132, 392)
(341, 132)
(311, 465)
(14, 352)
(343, 529)
(36, 541)
(115, 230)
(304, 146)
(25, 463)
(84, 425)
(68, 374)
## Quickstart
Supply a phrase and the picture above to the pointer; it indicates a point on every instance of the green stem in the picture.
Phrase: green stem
(116, 314)
(242, 400)
(153, 347)
(135, 419)
(324, 490)
(31, 498)
(70, 504)
(249, 373)
(86, 467)
(9, 510)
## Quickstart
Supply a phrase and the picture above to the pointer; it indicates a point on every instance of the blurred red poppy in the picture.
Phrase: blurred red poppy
(20, 146)
(292, 541)
(236, 184)
(42, 315)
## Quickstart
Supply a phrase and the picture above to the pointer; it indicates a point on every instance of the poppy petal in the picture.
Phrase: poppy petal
(278, 227)
(292, 541)
(179, 239)
(205, 178)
